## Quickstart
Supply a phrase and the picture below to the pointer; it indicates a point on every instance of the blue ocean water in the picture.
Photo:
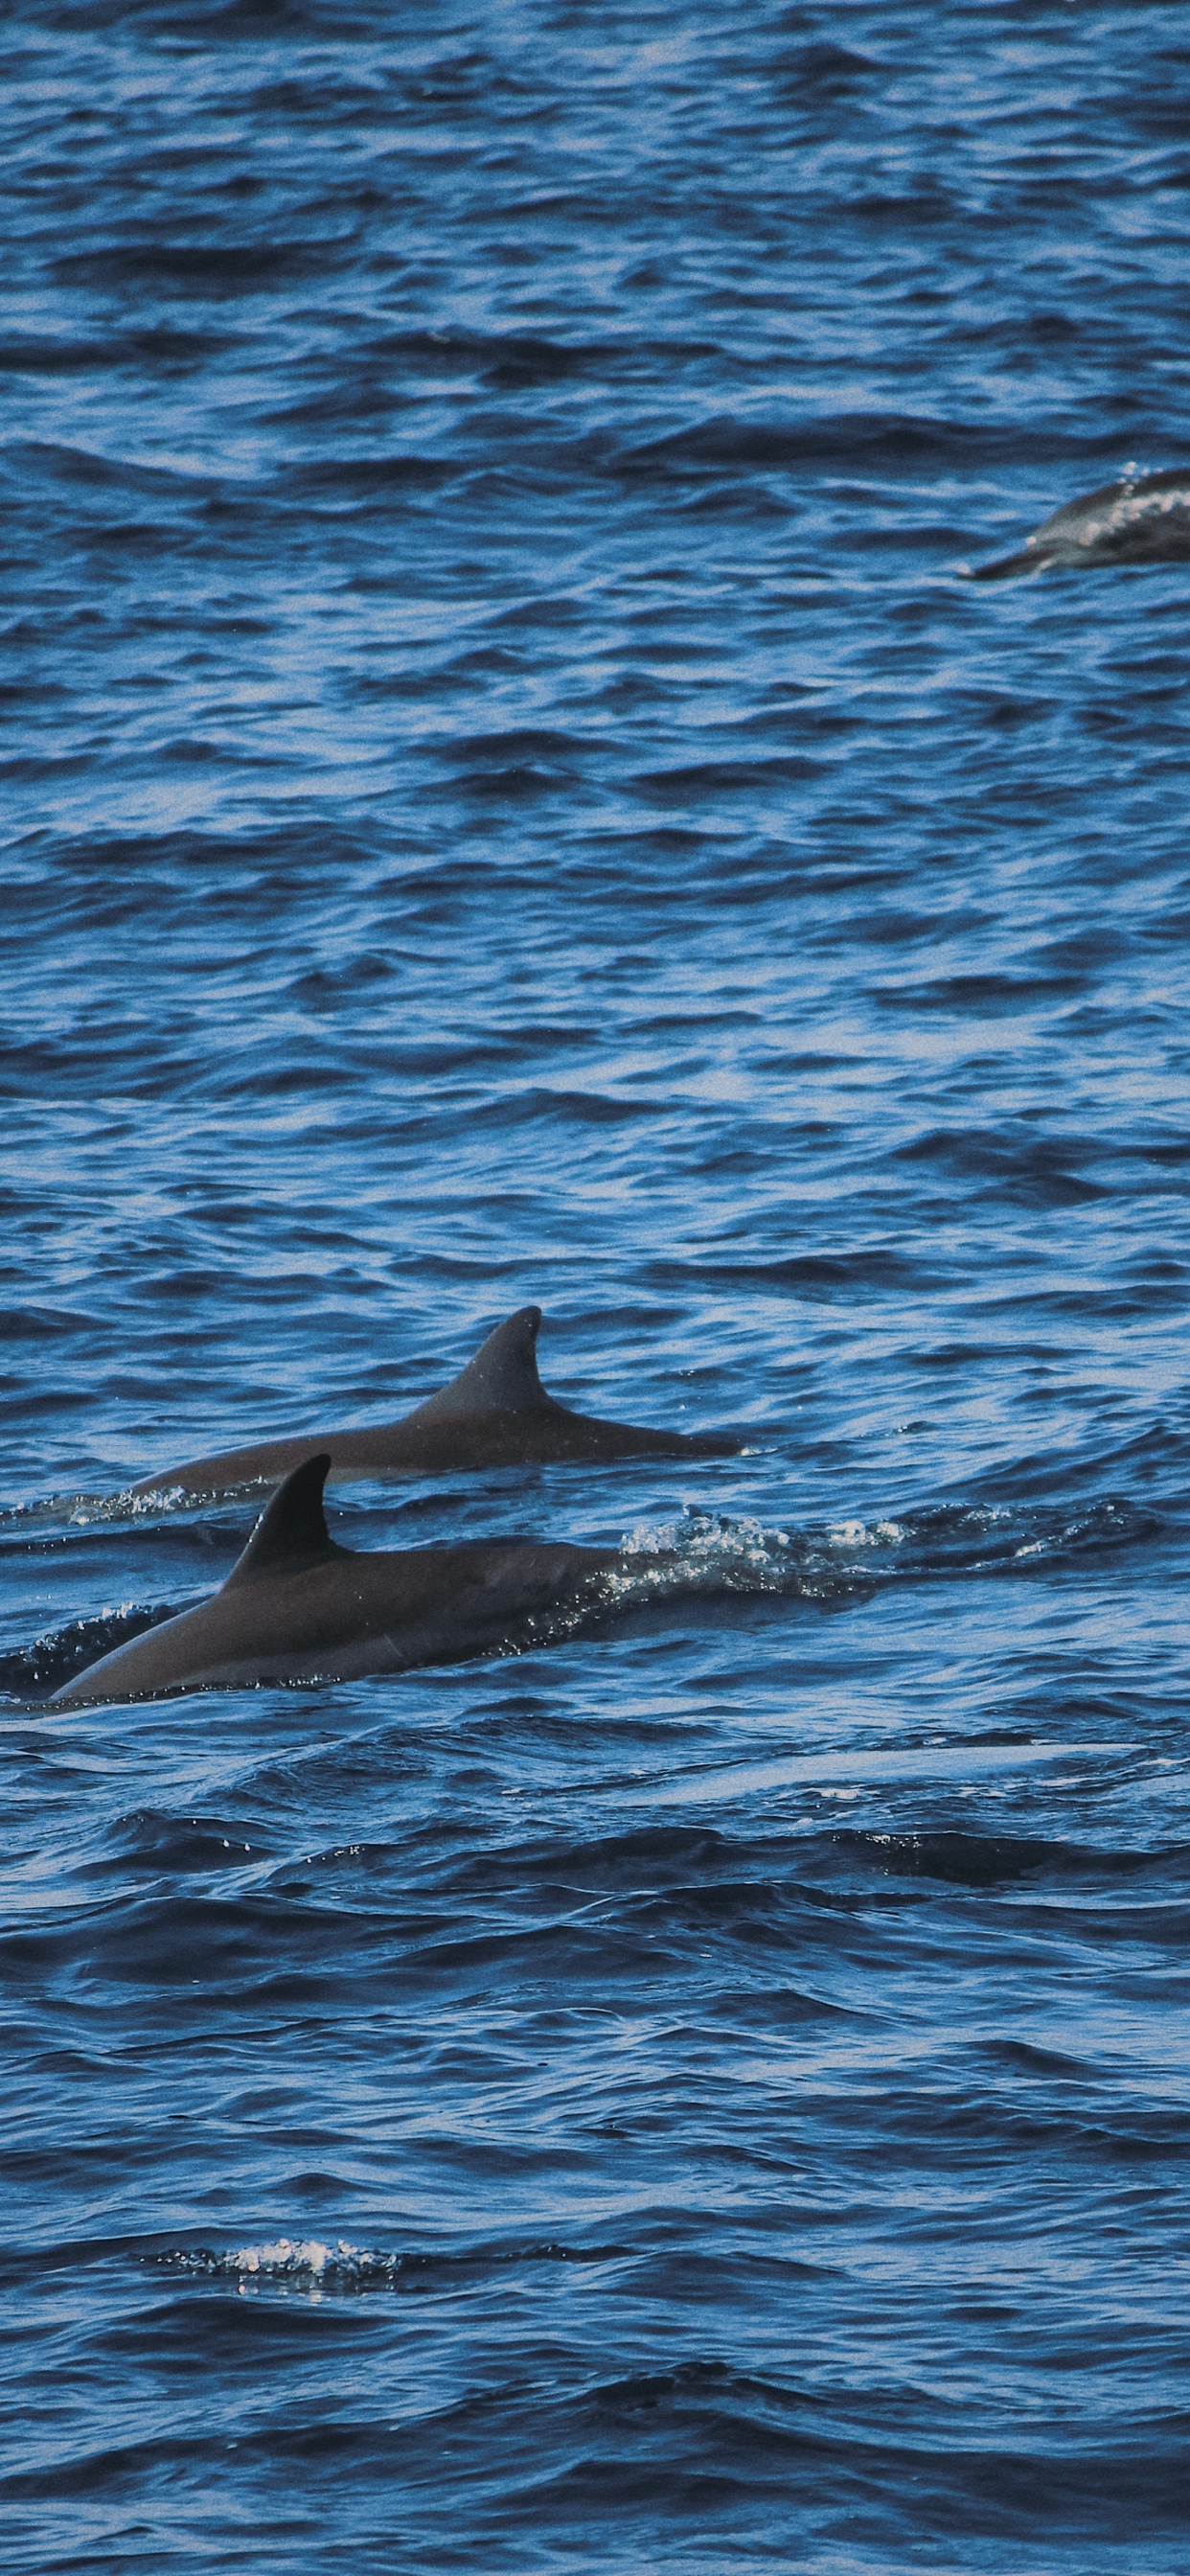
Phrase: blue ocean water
(509, 798)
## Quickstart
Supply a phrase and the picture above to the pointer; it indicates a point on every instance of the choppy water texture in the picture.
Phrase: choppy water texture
(509, 799)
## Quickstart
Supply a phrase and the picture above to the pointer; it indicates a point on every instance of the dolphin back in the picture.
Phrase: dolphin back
(1141, 519)
(495, 1413)
(296, 1607)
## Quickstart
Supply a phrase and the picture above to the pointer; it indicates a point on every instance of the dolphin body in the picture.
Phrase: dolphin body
(1144, 519)
(496, 1413)
(296, 1607)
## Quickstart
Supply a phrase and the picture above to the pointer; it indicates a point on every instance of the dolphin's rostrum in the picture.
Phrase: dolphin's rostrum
(496, 1413)
(1143, 519)
(297, 1607)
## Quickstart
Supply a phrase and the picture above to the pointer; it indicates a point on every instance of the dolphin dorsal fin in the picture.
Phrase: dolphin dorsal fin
(292, 1531)
(502, 1377)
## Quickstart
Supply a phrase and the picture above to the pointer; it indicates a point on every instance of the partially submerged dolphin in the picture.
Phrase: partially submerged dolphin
(496, 1413)
(296, 1607)
(1143, 519)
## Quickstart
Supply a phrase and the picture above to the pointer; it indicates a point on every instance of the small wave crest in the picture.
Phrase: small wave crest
(295, 2262)
(700, 1551)
(55, 1658)
(99, 1511)
(317, 2269)
(1006, 1538)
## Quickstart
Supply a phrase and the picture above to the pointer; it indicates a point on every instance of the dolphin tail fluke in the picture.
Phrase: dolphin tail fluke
(293, 1531)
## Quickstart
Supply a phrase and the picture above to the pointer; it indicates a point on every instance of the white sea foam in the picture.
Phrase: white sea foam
(303, 2263)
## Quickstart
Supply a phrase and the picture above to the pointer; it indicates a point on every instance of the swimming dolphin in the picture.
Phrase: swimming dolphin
(296, 1607)
(1143, 519)
(496, 1413)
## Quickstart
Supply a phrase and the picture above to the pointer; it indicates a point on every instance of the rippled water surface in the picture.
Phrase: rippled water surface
(509, 798)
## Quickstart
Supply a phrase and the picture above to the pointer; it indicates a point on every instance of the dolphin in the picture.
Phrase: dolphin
(496, 1413)
(1143, 519)
(297, 1607)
